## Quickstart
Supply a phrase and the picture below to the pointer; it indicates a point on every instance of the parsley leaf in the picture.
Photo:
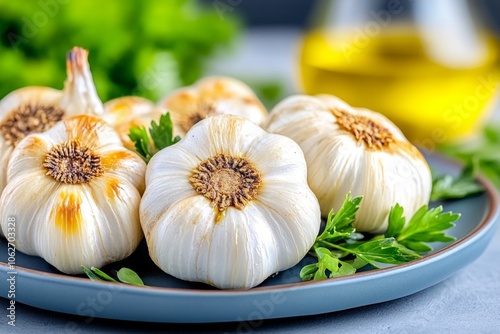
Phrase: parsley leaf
(161, 133)
(102, 275)
(91, 274)
(139, 135)
(397, 221)
(340, 225)
(129, 276)
(448, 187)
(426, 225)
(386, 250)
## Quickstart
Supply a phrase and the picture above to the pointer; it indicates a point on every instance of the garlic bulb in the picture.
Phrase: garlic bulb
(228, 205)
(212, 96)
(36, 109)
(74, 192)
(126, 112)
(354, 150)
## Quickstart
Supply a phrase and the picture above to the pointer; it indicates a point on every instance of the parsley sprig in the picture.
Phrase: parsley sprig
(341, 251)
(161, 133)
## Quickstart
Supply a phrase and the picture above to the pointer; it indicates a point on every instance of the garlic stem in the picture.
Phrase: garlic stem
(79, 84)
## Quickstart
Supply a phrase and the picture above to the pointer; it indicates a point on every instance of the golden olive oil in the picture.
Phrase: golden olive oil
(395, 74)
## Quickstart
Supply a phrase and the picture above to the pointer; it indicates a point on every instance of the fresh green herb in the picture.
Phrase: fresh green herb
(124, 275)
(102, 275)
(161, 133)
(426, 225)
(91, 274)
(341, 251)
(327, 262)
(481, 155)
(139, 135)
(340, 225)
(382, 250)
(446, 187)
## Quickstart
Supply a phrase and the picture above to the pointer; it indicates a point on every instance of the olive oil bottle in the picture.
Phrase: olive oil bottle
(436, 85)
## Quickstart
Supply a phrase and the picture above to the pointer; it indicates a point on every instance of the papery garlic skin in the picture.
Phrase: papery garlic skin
(90, 218)
(380, 165)
(212, 96)
(78, 97)
(127, 112)
(272, 230)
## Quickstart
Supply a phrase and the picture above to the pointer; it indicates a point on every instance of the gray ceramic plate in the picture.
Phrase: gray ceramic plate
(170, 300)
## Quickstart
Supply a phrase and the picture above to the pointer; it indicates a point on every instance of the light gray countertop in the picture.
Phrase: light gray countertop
(468, 302)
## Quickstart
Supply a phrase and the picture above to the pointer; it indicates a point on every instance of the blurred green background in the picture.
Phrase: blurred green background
(141, 48)
(149, 47)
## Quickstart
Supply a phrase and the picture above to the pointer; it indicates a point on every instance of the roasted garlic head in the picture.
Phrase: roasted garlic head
(228, 205)
(357, 151)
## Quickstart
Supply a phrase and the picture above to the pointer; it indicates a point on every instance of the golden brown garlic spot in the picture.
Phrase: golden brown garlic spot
(68, 212)
(364, 129)
(72, 163)
(28, 119)
(227, 181)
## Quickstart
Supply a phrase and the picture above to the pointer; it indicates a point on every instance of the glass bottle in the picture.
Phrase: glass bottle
(428, 65)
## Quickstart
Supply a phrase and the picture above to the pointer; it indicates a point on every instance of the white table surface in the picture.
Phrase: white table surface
(468, 302)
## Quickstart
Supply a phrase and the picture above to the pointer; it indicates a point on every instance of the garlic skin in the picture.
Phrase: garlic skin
(354, 150)
(228, 205)
(36, 109)
(127, 112)
(75, 193)
(212, 96)
(79, 94)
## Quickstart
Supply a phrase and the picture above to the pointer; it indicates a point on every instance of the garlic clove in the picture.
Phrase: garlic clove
(84, 227)
(119, 208)
(354, 150)
(123, 166)
(256, 250)
(29, 215)
(285, 225)
(212, 96)
(75, 193)
(29, 163)
(189, 220)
